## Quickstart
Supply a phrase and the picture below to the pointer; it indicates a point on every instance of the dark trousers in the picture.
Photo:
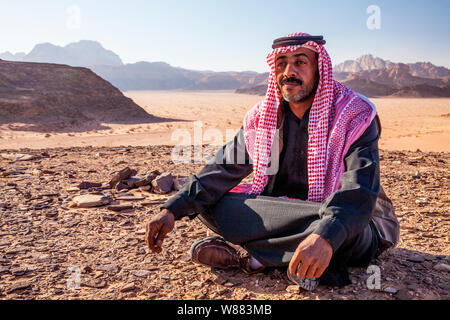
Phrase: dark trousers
(270, 229)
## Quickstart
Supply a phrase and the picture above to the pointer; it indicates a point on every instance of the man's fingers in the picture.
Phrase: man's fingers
(311, 271)
(161, 235)
(153, 231)
(293, 265)
(319, 271)
(302, 268)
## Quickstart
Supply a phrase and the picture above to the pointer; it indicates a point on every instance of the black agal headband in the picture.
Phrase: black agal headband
(294, 41)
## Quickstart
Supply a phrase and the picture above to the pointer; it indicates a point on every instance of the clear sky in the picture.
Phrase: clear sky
(224, 35)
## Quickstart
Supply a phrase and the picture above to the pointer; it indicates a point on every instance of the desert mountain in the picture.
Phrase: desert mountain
(365, 62)
(50, 93)
(369, 62)
(84, 53)
(375, 77)
(11, 56)
(162, 76)
(135, 76)
(369, 75)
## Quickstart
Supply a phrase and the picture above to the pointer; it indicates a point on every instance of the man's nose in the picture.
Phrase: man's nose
(289, 71)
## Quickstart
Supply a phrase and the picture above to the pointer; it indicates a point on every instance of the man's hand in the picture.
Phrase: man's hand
(157, 228)
(311, 257)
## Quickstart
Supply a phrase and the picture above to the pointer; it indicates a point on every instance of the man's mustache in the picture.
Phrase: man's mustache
(292, 80)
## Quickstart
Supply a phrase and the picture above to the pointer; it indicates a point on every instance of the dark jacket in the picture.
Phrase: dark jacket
(344, 213)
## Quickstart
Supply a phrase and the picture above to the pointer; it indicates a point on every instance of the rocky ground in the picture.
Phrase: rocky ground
(46, 244)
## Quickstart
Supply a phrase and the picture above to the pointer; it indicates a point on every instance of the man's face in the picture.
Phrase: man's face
(297, 74)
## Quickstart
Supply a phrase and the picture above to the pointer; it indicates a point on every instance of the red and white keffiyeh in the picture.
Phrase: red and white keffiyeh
(338, 117)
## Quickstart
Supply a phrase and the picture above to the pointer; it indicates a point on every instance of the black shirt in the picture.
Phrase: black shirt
(292, 177)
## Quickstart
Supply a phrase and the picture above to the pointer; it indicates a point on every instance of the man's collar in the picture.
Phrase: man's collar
(287, 109)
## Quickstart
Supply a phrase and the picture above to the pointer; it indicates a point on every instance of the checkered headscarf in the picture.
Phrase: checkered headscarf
(337, 119)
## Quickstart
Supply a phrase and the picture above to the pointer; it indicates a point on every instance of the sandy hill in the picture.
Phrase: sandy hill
(52, 93)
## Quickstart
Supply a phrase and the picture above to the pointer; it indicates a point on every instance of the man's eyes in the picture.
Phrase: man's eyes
(297, 62)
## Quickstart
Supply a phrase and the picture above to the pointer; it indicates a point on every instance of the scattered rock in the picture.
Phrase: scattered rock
(163, 183)
(110, 268)
(390, 290)
(404, 294)
(143, 181)
(88, 185)
(140, 232)
(4, 270)
(129, 198)
(153, 202)
(130, 182)
(121, 175)
(51, 213)
(128, 287)
(73, 189)
(121, 186)
(292, 289)
(442, 267)
(416, 259)
(145, 188)
(21, 285)
(140, 273)
(179, 182)
(17, 156)
(93, 283)
(90, 200)
(120, 207)
(19, 271)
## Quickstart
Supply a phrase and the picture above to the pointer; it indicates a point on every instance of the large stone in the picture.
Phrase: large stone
(121, 175)
(442, 267)
(90, 200)
(128, 287)
(391, 290)
(120, 207)
(21, 285)
(130, 198)
(143, 181)
(141, 273)
(416, 259)
(17, 156)
(179, 182)
(88, 185)
(110, 268)
(163, 183)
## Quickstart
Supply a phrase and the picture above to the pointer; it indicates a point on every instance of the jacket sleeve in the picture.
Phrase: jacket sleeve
(347, 211)
(230, 165)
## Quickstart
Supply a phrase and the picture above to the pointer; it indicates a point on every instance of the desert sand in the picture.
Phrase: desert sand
(41, 250)
(408, 123)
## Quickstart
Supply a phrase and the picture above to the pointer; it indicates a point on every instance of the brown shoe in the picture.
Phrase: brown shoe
(215, 252)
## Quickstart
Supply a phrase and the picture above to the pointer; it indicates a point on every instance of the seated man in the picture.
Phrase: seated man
(315, 204)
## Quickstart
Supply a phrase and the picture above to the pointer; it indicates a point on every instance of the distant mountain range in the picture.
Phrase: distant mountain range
(371, 76)
(369, 62)
(84, 53)
(135, 76)
(374, 77)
